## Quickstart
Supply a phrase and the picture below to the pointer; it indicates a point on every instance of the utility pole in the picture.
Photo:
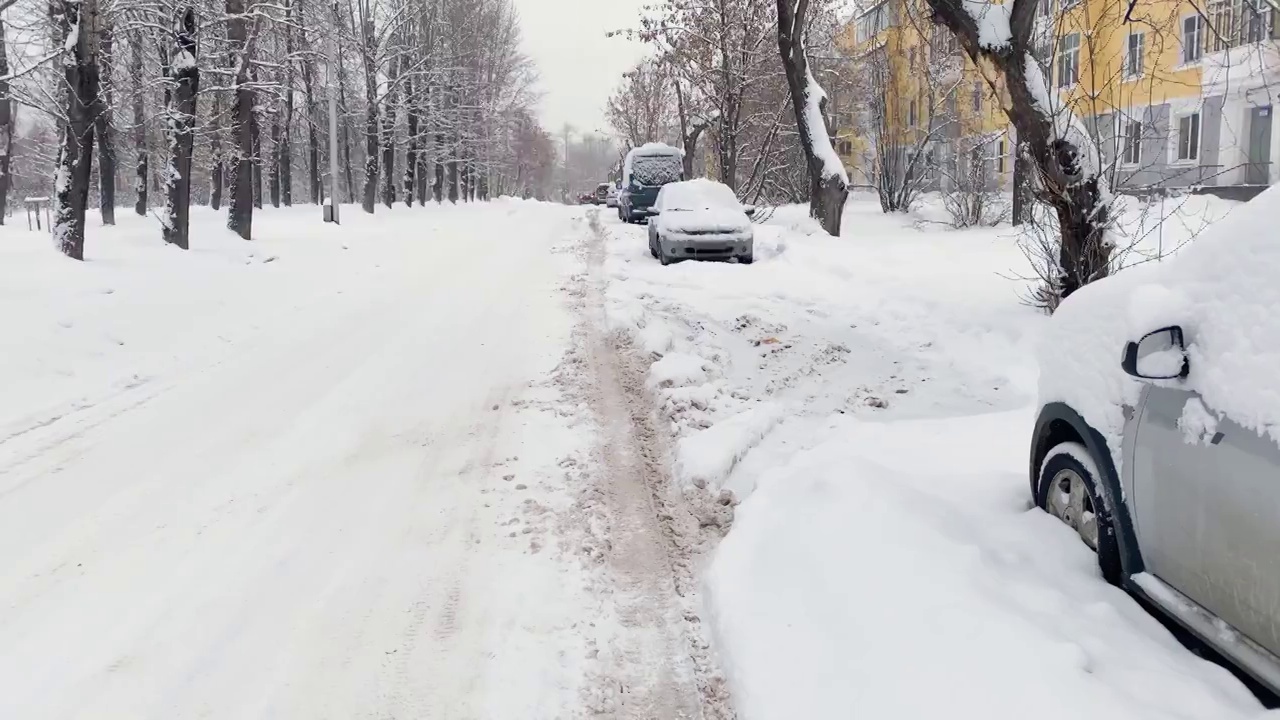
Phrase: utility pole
(568, 194)
(331, 210)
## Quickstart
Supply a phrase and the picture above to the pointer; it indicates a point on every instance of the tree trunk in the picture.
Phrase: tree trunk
(438, 185)
(102, 127)
(273, 172)
(255, 132)
(181, 127)
(140, 169)
(75, 157)
(1021, 194)
(828, 187)
(389, 141)
(412, 150)
(284, 144)
(314, 175)
(240, 213)
(453, 181)
(6, 126)
(218, 167)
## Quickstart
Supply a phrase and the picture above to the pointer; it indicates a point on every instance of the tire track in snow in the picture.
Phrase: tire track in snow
(664, 668)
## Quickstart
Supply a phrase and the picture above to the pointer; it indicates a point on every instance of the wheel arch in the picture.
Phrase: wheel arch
(1059, 422)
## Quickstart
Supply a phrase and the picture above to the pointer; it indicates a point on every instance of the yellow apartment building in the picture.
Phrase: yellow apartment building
(1177, 92)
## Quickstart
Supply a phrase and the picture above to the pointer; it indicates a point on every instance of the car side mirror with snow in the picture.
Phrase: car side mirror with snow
(750, 210)
(1159, 355)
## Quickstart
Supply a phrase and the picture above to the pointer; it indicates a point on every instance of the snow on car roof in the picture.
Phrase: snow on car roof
(1222, 289)
(698, 193)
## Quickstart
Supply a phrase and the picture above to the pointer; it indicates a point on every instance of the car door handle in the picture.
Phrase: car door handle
(1217, 438)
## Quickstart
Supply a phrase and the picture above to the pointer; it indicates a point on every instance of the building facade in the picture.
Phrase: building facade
(1178, 93)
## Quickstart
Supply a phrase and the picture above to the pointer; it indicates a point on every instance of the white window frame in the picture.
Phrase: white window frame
(1000, 165)
(912, 114)
(977, 97)
(1182, 40)
(1061, 65)
(1175, 147)
(1126, 160)
(1130, 71)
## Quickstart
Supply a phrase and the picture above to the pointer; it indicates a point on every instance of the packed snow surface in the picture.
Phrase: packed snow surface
(330, 473)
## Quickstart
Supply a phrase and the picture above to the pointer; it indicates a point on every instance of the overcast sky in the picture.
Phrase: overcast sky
(579, 66)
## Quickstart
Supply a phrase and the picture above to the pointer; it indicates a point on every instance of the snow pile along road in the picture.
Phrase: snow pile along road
(869, 402)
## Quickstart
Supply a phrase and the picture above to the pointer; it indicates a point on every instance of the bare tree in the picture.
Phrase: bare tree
(828, 182)
(76, 22)
(185, 78)
(6, 125)
(240, 212)
(1068, 164)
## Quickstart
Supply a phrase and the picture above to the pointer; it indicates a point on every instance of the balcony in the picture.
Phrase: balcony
(1240, 49)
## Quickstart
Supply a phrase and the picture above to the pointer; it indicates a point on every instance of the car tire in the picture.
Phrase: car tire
(653, 247)
(746, 259)
(663, 257)
(1068, 490)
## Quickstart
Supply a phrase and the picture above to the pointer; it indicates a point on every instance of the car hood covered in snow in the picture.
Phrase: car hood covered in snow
(708, 220)
(1221, 290)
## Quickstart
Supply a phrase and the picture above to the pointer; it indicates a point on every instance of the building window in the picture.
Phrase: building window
(1133, 55)
(1192, 39)
(1132, 150)
(911, 113)
(911, 59)
(953, 105)
(1069, 60)
(1189, 137)
(1000, 156)
(1046, 8)
(977, 97)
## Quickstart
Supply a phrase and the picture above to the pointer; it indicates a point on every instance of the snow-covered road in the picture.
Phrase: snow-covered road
(357, 504)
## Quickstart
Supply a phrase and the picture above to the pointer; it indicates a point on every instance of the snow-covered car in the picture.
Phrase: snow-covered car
(601, 192)
(611, 199)
(645, 171)
(1157, 433)
(700, 220)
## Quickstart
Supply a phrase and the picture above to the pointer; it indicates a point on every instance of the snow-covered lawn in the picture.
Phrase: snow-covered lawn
(868, 400)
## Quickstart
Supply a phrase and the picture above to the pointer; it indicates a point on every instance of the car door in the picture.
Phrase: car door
(1207, 497)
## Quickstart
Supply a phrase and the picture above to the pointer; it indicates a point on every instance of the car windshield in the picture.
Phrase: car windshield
(656, 169)
(698, 195)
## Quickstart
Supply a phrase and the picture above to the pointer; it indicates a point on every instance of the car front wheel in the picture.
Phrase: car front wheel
(1069, 490)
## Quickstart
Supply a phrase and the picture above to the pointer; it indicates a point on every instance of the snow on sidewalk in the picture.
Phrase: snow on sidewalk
(869, 401)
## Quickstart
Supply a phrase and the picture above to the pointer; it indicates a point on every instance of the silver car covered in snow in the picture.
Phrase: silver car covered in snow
(1158, 436)
(700, 220)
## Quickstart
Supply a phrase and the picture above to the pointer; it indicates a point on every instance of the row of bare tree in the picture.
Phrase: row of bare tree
(226, 101)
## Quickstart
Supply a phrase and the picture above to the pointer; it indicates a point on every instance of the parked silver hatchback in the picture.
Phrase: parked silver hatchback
(1158, 434)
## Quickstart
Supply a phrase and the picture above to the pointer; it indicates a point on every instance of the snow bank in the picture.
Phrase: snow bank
(705, 458)
(1221, 289)
(893, 571)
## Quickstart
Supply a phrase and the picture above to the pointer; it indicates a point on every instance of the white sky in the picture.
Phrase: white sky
(579, 66)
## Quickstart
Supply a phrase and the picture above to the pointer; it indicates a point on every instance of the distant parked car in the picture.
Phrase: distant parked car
(588, 198)
(1156, 440)
(644, 172)
(602, 192)
(611, 198)
(700, 220)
